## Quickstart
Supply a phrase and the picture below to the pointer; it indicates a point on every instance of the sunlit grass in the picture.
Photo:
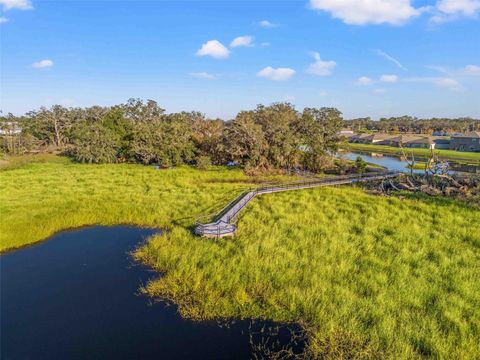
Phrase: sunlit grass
(367, 276)
(39, 199)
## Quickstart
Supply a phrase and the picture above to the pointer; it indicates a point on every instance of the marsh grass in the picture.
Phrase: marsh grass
(367, 276)
(39, 197)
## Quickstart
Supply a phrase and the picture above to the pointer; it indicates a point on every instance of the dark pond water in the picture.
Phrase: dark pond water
(397, 163)
(76, 297)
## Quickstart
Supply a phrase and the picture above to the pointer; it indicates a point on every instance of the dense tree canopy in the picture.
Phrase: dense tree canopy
(275, 136)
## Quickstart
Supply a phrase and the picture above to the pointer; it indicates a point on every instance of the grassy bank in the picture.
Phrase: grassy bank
(39, 197)
(467, 157)
(366, 276)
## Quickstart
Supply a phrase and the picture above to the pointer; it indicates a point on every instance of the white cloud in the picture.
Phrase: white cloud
(445, 82)
(449, 83)
(267, 24)
(364, 80)
(361, 12)
(3, 20)
(16, 4)
(462, 7)
(389, 78)
(379, 91)
(277, 74)
(464, 71)
(203, 75)
(320, 67)
(42, 64)
(265, 44)
(323, 93)
(242, 41)
(215, 49)
(472, 70)
(391, 59)
(447, 10)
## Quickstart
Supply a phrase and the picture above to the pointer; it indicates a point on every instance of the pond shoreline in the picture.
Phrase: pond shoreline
(87, 281)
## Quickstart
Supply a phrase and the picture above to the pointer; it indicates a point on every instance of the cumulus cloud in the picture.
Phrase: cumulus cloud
(389, 78)
(3, 20)
(42, 64)
(242, 41)
(364, 80)
(320, 67)
(447, 10)
(215, 49)
(16, 4)
(267, 24)
(203, 75)
(277, 74)
(362, 12)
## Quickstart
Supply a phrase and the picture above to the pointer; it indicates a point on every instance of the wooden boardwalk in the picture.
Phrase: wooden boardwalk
(224, 222)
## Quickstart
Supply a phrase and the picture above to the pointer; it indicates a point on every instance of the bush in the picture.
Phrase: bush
(203, 162)
(360, 165)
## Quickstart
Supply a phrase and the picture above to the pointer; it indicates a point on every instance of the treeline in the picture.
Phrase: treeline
(409, 124)
(276, 136)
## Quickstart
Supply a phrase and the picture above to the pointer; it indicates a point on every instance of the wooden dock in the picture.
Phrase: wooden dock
(224, 222)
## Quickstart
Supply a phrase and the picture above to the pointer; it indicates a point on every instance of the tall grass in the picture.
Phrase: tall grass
(368, 277)
(39, 199)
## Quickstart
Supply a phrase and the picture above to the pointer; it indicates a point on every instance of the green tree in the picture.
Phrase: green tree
(95, 143)
(360, 165)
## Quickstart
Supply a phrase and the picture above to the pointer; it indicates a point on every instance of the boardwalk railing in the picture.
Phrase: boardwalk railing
(224, 222)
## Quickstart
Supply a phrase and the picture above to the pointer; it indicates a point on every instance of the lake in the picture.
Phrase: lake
(392, 162)
(75, 296)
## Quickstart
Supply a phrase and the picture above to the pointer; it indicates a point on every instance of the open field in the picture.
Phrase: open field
(366, 276)
(467, 157)
(41, 198)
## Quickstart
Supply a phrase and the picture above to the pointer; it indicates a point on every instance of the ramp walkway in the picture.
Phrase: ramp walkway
(224, 222)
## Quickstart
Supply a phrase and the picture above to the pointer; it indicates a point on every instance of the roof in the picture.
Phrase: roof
(383, 136)
(470, 134)
(406, 138)
(422, 140)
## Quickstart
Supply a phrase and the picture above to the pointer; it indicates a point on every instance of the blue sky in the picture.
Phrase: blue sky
(367, 57)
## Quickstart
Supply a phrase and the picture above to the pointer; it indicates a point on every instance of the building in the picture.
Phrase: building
(370, 138)
(442, 143)
(466, 142)
(422, 142)
(346, 132)
(10, 128)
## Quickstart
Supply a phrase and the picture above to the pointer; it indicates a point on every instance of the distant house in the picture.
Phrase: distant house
(370, 138)
(442, 143)
(422, 142)
(466, 142)
(346, 132)
(10, 128)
